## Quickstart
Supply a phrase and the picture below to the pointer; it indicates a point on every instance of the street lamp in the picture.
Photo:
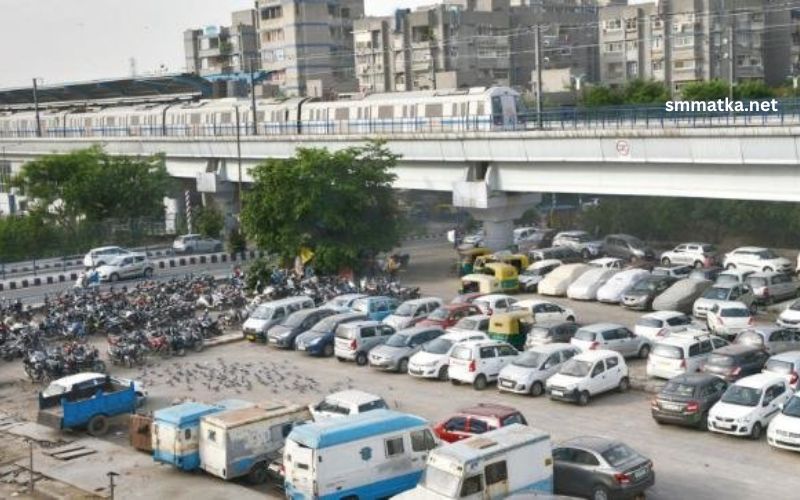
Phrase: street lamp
(36, 106)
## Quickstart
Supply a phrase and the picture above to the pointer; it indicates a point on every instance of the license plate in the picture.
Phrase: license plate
(506, 383)
(301, 347)
(726, 427)
(557, 393)
(671, 406)
(414, 371)
(639, 474)
(251, 337)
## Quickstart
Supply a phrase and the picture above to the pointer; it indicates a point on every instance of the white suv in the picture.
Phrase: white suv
(691, 254)
(589, 374)
(660, 324)
(681, 353)
(479, 362)
(756, 259)
(432, 361)
(345, 403)
(748, 406)
(103, 255)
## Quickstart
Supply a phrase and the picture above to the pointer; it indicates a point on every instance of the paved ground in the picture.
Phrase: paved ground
(689, 464)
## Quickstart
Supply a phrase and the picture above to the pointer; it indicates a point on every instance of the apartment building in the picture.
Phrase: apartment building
(307, 47)
(373, 39)
(220, 50)
(632, 43)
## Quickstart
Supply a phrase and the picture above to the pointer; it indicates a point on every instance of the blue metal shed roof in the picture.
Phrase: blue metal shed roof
(184, 413)
(344, 430)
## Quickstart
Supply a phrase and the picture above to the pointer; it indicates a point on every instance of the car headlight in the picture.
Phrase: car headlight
(313, 341)
(746, 419)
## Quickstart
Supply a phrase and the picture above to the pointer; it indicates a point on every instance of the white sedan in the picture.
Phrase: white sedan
(544, 311)
(126, 266)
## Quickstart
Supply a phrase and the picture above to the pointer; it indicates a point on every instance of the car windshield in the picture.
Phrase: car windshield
(727, 279)
(649, 322)
(339, 301)
(584, 334)
(667, 351)
(441, 482)
(576, 368)
(361, 305)
(735, 312)
(378, 404)
(295, 320)
(779, 366)
(529, 359)
(756, 282)
(767, 254)
(645, 285)
(468, 324)
(750, 338)
(717, 293)
(534, 272)
(792, 407)
(741, 396)
(439, 314)
(117, 261)
(463, 353)
(540, 332)
(709, 248)
(54, 390)
(679, 389)
(438, 346)
(720, 360)
(325, 325)
(636, 243)
(262, 313)
(795, 306)
(618, 454)
(405, 310)
(398, 340)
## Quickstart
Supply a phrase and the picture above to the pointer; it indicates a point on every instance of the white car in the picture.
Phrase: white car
(345, 403)
(660, 324)
(587, 285)
(475, 239)
(494, 303)
(616, 286)
(343, 303)
(432, 361)
(728, 319)
(681, 353)
(529, 372)
(756, 259)
(733, 276)
(196, 243)
(581, 242)
(412, 311)
(473, 323)
(790, 317)
(608, 262)
(748, 406)
(133, 265)
(723, 293)
(479, 362)
(557, 282)
(531, 277)
(691, 254)
(587, 375)
(786, 364)
(784, 430)
(546, 311)
(103, 255)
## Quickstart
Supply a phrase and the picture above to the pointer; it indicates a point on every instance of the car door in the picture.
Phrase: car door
(773, 397)
(505, 354)
(678, 255)
(489, 364)
(613, 373)
(753, 362)
(573, 471)
(609, 339)
(597, 378)
(549, 367)
(455, 429)
(628, 341)
(712, 392)
(127, 267)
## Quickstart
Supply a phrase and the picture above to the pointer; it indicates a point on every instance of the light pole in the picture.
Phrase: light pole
(36, 107)
(239, 158)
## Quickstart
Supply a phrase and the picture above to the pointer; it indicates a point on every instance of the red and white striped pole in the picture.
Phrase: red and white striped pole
(188, 200)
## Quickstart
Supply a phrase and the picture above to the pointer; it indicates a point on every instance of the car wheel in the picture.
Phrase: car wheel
(644, 351)
(586, 255)
(730, 267)
(455, 382)
(624, 384)
(361, 359)
(98, 425)
(402, 366)
(665, 261)
(599, 492)
(258, 474)
(583, 398)
(114, 277)
(571, 319)
(768, 269)
(480, 383)
(327, 351)
(698, 265)
(341, 360)
(755, 432)
(443, 373)
(537, 389)
(148, 273)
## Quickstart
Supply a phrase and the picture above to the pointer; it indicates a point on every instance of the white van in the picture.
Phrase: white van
(271, 313)
(372, 455)
(516, 458)
(345, 403)
(684, 352)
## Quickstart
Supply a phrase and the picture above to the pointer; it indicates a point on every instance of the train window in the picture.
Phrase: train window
(455, 110)
(342, 114)
(481, 109)
(195, 118)
(225, 117)
(497, 106)
(134, 120)
(110, 121)
(359, 113)
(433, 110)
(464, 108)
(385, 112)
(405, 111)
(261, 116)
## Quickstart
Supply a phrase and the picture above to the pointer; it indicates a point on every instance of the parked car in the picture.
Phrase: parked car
(608, 262)
(686, 399)
(676, 271)
(641, 295)
(771, 287)
(133, 265)
(627, 247)
(544, 310)
(319, 339)
(88, 382)
(600, 468)
(747, 406)
(581, 242)
(613, 290)
(535, 273)
(393, 355)
(196, 243)
(772, 339)
(285, 333)
(346, 403)
(612, 337)
(449, 314)
(376, 307)
(522, 234)
(681, 353)
(474, 323)
(705, 273)
(550, 332)
(727, 319)
(786, 364)
(272, 313)
(557, 282)
(354, 340)
(494, 303)
(733, 276)
(466, 298)
(102, 255)
(477, 419)
(723, 293)
(589, 374)
(756, 259)
(530, 370)
(565, 255)
(790, 317)
(697, 255)
(410, 312)
(540, 238)
(343, 303)
(587, 285)
(681, 295)
(735, 361)
(660, 324)
(474, 239)
(433, 359)
(479, 362)
(784, 430)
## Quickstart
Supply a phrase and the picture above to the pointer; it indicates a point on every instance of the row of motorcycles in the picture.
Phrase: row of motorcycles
(43, 364)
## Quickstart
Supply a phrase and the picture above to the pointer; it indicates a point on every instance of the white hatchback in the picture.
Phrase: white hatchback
(494, 303)
(433, 360)
(544, 311)
(529, 372)
(728, 319)
(748, 406)
(589, 374)
(784, 430)
(660, 324)
(479, 362)
(756, 259)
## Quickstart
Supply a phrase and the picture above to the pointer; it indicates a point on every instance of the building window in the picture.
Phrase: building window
(658, 42)
(630, 23)
(272, 12)
(613, 47)
(633, 69)
(658, 65)
(613, 24)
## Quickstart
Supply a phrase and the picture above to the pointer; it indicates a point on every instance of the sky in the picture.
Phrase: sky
(61, 41)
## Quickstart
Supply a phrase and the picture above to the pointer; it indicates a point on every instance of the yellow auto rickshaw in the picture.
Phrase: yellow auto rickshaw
(480, 262)
(506, 274)
(519, 261)
(480, 283)
(512, 327)
(467, 259)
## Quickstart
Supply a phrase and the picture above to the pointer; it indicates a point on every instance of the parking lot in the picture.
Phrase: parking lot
(688, 463)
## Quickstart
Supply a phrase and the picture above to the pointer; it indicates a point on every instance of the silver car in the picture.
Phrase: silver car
(126, 266)
(529, 371)
(612, 337)
(196, 243)
(393, 355)
(772, 339)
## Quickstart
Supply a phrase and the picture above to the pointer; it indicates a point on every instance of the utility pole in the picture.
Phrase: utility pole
(111, 485)
(36, 107)
(731, 55)
(253, 95)
(537, 48)
(239, 158)
(30, 466)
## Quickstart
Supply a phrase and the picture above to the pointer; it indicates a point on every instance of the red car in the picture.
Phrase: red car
(466, 298)
(477, 420)
(448, 315)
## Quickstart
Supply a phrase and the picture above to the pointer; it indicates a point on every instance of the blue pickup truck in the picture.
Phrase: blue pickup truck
(87, 407)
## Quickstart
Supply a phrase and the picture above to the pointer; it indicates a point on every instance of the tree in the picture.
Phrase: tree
(753, 89)
(643, 92)
(210, 221)
(599, 95)
(338, 205)
(705, 91)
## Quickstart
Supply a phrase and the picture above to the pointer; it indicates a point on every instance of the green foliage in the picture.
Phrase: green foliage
(210, 221)
(753, 89)
(705, 91)
(641, 92)
(259, 270)
(236, 241)
(22, 237)
(340, 205)
(600, 95)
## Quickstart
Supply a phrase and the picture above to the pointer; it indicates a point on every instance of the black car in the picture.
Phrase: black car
(736, 361)
(600, 468)
(551, 332)
(641, 295)
(283, 334)
(565, 254)
(318, 341)
(686, 399)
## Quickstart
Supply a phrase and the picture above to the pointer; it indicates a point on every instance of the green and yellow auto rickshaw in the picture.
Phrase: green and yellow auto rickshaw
(480, 283)
(467, 259)
(506, 274)
(512, 327)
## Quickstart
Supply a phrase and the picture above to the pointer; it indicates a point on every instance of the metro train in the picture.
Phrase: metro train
(478, 109)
